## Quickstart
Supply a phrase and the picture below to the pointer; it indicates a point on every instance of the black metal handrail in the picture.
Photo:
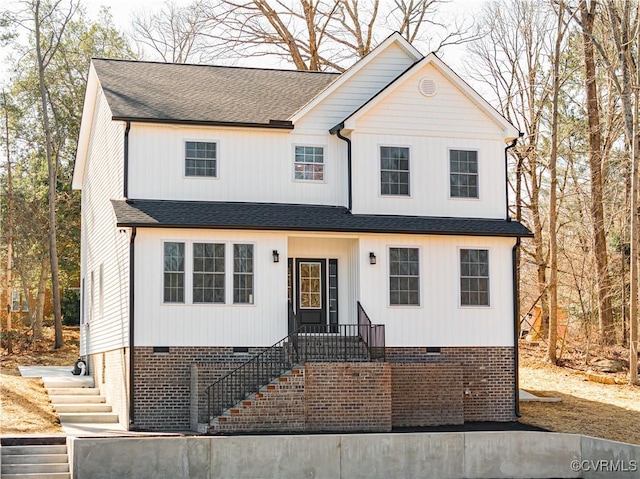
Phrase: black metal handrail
(372, 334)
(308, 343)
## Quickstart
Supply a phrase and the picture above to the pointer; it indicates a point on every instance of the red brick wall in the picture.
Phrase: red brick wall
(348, 396)
(488, 375)
(278, 409)
(426, 394)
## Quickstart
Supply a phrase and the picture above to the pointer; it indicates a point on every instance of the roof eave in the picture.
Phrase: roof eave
(323, 229)
(273, 124)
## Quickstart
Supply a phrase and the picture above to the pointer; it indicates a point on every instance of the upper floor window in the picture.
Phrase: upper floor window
(463, 173)
(474, 277)
(404, 276)
(201, 159)
(208, 272)
(309, 163)
(173, 272)
(394, 170)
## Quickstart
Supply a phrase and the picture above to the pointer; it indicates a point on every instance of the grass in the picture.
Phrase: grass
(25, 406)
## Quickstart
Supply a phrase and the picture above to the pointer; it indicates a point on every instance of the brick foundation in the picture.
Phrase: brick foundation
(488, 376)
(426, 394)
(411, 389)
(348, 397)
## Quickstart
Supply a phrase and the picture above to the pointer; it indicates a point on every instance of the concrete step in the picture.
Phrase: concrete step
(33, 468)
(31, 450)
(88, 417)
(77, 399)
(72, 382)
(39, 475)
(65, 391)
(35, 459)
(81, 408)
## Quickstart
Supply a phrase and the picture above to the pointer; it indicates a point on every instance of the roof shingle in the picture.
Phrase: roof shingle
(202, 94)
(270, 216)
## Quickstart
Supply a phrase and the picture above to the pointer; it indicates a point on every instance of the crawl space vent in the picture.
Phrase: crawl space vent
(427, 87)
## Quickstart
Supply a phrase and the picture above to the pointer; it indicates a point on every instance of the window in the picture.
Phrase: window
(15, 302)
(173, 272)
(463, 173)
(101, 290)
(309, 163)
(243, 273)
(474, 277)
(208, 273)
(201, 159)
(404, 276)
(394, 170)
(92, 298)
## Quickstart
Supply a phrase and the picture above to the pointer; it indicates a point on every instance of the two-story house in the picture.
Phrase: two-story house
(225, 208)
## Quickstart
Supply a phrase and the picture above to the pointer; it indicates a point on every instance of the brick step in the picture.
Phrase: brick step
(77, 399)
(65, 391)
(82, 407)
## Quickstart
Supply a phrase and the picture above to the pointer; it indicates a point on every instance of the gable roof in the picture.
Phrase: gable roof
(510, 131)
(287, 217)
(395, 37)
(203, 94)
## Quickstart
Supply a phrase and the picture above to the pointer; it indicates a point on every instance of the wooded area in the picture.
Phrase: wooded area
(565, 72)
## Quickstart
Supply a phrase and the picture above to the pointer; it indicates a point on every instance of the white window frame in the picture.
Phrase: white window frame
(214, 273)
(252, 300)
(459, 277)
(324, 163)
(420, 276)
(185, 286)
(478, 174)
(183, 156)
(101, 290)
(188, 272)
(379, 166)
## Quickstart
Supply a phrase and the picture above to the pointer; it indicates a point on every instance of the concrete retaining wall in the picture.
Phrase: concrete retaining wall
(469, 455)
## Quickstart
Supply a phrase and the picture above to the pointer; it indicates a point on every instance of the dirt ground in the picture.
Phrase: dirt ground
(25, 406)
(610, 411)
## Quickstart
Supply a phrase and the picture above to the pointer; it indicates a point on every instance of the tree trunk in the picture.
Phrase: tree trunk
(9, 229)
(52, 166)
(605, 313)
(39, 314)
(553, 200)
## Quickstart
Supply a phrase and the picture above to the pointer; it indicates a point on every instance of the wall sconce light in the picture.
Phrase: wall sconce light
(276, 256)
(372, 258)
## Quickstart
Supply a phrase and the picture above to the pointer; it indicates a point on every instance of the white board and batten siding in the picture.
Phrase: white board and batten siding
(439, 320)
(104, 246)
(186, 324)
(253, 166)
(358, 89)
(430, 127)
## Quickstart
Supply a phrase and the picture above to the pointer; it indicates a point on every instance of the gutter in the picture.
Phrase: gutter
(125, 191)
(337, 131)
(273, 124)
(516, 327)
(506, 174)
(132, 251)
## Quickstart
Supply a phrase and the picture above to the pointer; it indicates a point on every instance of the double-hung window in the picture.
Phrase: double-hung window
(309, 163)
(173, 272)
(474, 277)
(463, 173)
(201, 159)
(243, 273)
(208, 272)
(404, 276)
(394, 170)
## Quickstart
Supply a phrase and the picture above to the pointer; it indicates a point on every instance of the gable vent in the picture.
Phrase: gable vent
(427, 87)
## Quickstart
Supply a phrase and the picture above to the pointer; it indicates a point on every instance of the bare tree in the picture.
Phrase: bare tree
(9, 276)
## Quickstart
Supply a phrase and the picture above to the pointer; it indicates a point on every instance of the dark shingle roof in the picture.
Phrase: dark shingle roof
(202, 94)
(269, 216)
